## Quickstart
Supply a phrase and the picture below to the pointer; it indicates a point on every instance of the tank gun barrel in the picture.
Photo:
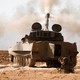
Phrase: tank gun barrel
(47, 20)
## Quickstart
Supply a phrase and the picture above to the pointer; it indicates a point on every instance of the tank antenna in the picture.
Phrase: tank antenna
(47, 21)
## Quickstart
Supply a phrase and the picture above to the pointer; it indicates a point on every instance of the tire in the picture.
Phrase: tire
(30, 62)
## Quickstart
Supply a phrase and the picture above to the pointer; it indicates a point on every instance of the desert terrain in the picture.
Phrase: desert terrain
(9, 71)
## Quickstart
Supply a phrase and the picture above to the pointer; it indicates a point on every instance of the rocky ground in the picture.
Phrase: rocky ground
(40, 72)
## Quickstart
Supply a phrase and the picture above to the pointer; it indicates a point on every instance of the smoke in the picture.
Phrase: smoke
(46, 5)
(22, 24)
(69, 21)
(25, 17)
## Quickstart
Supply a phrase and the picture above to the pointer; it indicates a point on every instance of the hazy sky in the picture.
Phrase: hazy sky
(17, 16)
(8, 7)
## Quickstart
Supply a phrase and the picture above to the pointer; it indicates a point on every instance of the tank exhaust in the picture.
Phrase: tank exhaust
(47, 21)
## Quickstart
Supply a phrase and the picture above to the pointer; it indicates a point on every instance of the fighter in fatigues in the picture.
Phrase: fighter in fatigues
(67, 65)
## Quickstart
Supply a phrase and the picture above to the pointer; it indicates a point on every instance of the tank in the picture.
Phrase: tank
(47, 46)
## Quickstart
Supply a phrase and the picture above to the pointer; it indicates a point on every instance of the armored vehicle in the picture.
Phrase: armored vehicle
(47, 46)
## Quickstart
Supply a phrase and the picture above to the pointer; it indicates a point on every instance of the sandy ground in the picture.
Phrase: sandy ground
(13, 72)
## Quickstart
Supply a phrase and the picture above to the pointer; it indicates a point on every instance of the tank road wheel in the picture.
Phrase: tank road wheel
(30, 62)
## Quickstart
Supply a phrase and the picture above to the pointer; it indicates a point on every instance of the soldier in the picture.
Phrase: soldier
(67, 65)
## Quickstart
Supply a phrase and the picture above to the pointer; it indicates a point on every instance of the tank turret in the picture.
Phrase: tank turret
(37, 34)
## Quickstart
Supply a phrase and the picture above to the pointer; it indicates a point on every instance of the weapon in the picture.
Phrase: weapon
(47, 20)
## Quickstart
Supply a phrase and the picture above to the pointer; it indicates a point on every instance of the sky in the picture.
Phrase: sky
(8, 7)
(17, 16)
